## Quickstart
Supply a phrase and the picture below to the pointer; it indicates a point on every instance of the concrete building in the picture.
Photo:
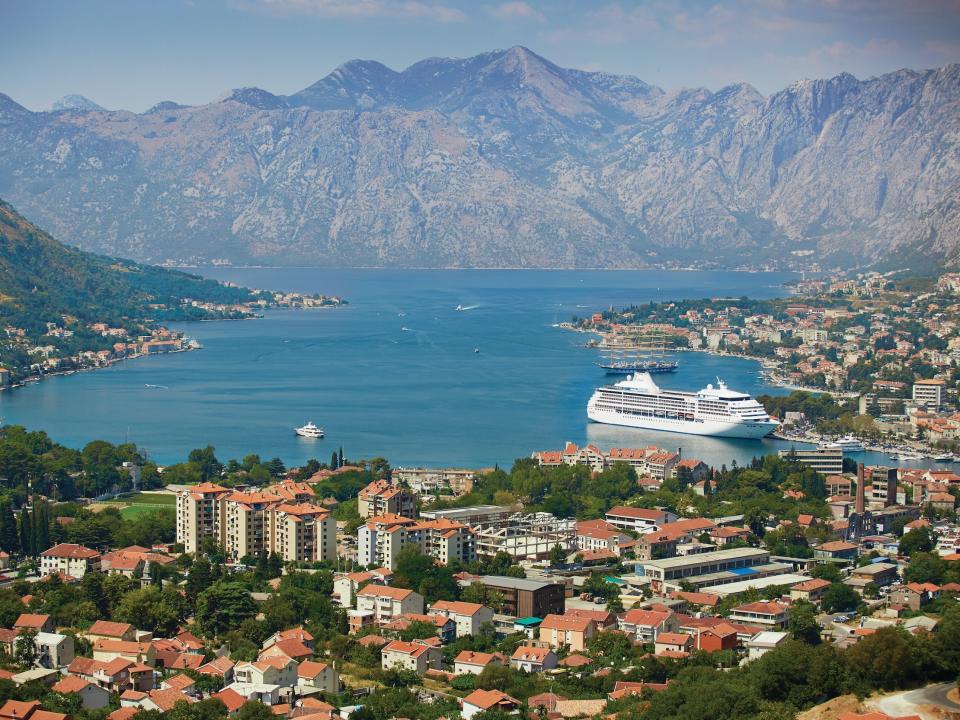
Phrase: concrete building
(712, 568)
(827, 460)
(472, 515)
(638, 520)
(526, 536)
(525, 598)
(930, 393)
(763, 642)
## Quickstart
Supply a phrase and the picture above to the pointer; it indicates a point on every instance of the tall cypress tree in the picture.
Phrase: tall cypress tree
(8, 528)
(333, 461)
(43, 528)
(26, 546)
(340, 460)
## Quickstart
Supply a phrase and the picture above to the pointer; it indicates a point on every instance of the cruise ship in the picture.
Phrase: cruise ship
(717, 411)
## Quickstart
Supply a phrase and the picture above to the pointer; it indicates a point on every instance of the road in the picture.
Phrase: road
(906, 703)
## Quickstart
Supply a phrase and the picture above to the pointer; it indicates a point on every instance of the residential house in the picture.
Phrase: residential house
(669, 642)
(533, 659)
(646, 625)
(312, 675)
(92, 697)
(810, 590)
(378, 604)
(417, 655)
(770, 614)
(468, 617)
(70, 560)
(483, 700)
(469, 662)
(560, 630)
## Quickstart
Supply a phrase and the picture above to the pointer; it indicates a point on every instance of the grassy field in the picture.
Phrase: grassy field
(139, 504)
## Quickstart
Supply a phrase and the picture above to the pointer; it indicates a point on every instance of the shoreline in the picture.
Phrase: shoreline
(36, 379)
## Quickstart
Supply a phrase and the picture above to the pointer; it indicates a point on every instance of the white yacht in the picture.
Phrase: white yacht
(849, 444)
(309, 431)
(717, 411)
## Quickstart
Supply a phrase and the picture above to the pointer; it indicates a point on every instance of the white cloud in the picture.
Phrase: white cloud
(516, 11)
(366, 9)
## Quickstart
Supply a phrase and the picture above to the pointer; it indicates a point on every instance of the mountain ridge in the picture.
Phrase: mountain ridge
(505, 159)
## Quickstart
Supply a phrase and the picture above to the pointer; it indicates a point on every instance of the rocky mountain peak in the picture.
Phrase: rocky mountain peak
(76, 103)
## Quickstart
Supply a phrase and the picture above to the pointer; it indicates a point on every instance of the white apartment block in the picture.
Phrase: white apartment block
(929, 392)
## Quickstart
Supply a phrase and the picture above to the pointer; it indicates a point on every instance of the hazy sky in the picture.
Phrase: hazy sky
(134, 53)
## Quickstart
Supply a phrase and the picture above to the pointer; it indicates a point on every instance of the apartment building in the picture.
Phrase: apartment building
(930, 393)
(256, 524)
(379, 604)
(526, 598)
(248, 517)
(381, 497)
(199, 514)
(382, 538)
(303, 533)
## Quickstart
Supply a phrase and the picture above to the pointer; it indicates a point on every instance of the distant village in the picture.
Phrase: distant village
(893, 351)
(70, 346)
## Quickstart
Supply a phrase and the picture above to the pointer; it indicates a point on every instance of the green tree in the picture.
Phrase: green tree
(917, 540)
(557, 556)
(925, 567)
(224, 606)
(839, 597)
(802, 622)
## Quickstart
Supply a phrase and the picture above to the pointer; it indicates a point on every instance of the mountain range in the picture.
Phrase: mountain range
(504, 160)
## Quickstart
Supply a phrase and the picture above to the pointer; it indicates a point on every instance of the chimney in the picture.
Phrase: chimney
(860, 505)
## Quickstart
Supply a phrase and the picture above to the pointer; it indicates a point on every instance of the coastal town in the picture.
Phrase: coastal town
(72, 345)
(884, 349)
(581, 583)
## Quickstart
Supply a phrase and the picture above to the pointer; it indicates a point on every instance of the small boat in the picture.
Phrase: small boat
(849, 444)
(156, 387)
(459, 308)
(943, 458)
(309, 431)
(476, 350)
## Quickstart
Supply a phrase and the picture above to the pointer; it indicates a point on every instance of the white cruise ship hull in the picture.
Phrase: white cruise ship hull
(713, 428)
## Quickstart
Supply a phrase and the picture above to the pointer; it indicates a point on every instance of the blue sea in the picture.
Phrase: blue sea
(398, 373)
